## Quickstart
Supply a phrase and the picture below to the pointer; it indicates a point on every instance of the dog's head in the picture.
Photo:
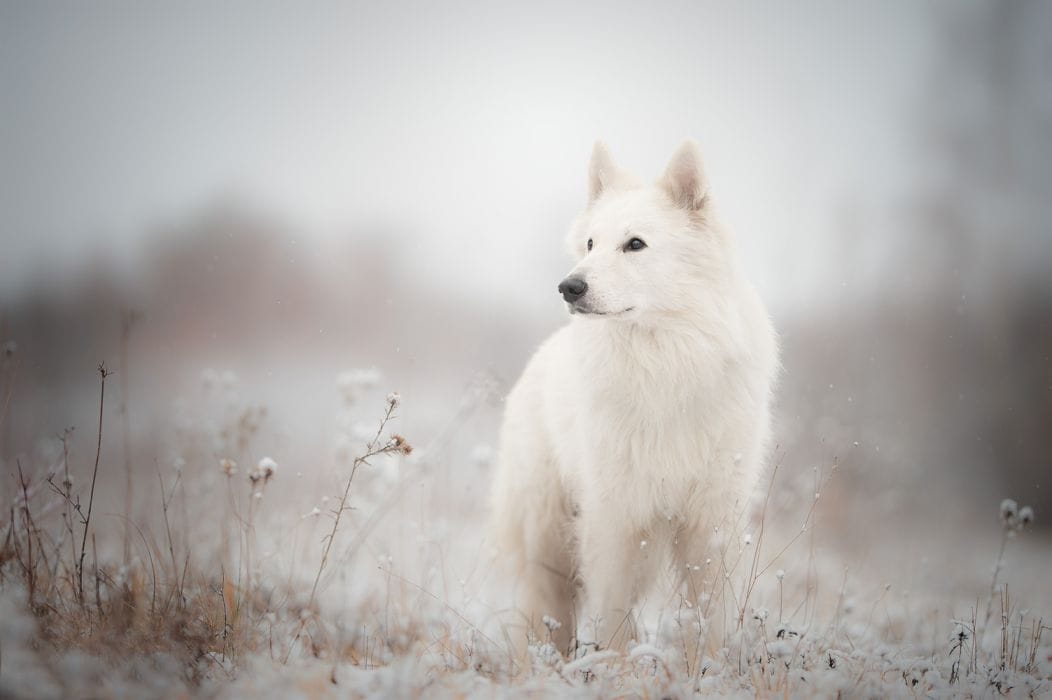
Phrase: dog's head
(644, 252)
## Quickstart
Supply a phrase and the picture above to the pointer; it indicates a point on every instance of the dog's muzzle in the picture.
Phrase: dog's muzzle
(573, 288)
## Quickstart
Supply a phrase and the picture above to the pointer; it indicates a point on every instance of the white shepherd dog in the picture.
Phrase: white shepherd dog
(639, 429)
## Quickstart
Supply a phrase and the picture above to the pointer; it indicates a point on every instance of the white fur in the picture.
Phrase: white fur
(646, 418)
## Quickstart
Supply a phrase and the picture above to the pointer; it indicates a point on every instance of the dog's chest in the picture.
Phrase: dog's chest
(652, 428)
(659, 440)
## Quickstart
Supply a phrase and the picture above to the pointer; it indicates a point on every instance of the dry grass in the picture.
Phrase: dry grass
(206, 607)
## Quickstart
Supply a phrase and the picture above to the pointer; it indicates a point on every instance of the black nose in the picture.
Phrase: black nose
(573, 288)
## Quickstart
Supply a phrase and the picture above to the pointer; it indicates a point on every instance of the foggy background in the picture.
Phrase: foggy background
(282, 192)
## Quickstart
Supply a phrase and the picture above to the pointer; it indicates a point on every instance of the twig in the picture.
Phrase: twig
(30, 566)
(753, 575)
(165, 500)
(372, 449)
(103, 373)
(993, 581)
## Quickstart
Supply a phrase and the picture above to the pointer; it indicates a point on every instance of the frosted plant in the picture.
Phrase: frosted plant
(228, 466)
(268, 466)
(1013, 518)
(1009, 512)
(398, 444)
(546, 655)
(263, 471)
(1013, 521)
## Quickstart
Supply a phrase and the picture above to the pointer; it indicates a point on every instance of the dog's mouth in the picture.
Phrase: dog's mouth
(585, 311)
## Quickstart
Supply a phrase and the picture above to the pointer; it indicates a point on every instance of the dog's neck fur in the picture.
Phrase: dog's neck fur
(682, 353)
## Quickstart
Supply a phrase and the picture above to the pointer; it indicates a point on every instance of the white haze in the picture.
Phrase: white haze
(465, 128)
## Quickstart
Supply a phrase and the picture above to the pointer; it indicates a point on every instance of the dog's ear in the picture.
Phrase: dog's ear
(602, 171)
(684, 178)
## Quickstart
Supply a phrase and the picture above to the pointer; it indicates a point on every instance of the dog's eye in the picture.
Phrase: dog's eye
(589, 244)
(634, 244)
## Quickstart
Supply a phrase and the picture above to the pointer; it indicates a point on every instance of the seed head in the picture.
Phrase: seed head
(1009, 512)
(267, 467)
(228, 466)
(398, 444)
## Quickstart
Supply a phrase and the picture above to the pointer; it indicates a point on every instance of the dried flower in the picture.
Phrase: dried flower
(1026, 516)
(397, 443)
(228, 466)
(393, 399)
(264, 470)
(1009, 511)
(267, 467)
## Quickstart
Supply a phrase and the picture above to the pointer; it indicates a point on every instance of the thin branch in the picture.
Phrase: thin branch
(103, 373)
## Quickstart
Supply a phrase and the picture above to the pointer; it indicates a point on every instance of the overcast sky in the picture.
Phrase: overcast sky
(467, 126)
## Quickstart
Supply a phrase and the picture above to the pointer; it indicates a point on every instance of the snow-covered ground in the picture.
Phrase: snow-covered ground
(216, 596)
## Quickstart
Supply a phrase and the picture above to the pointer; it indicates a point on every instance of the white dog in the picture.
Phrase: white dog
(639, 429)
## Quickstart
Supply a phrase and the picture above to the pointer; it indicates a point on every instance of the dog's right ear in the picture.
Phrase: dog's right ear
(684, 179)
(601, 172)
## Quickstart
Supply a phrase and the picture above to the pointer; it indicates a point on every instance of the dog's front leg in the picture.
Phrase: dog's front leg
(614, 573)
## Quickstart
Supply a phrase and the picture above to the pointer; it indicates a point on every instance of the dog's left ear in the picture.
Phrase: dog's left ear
(684, 178)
